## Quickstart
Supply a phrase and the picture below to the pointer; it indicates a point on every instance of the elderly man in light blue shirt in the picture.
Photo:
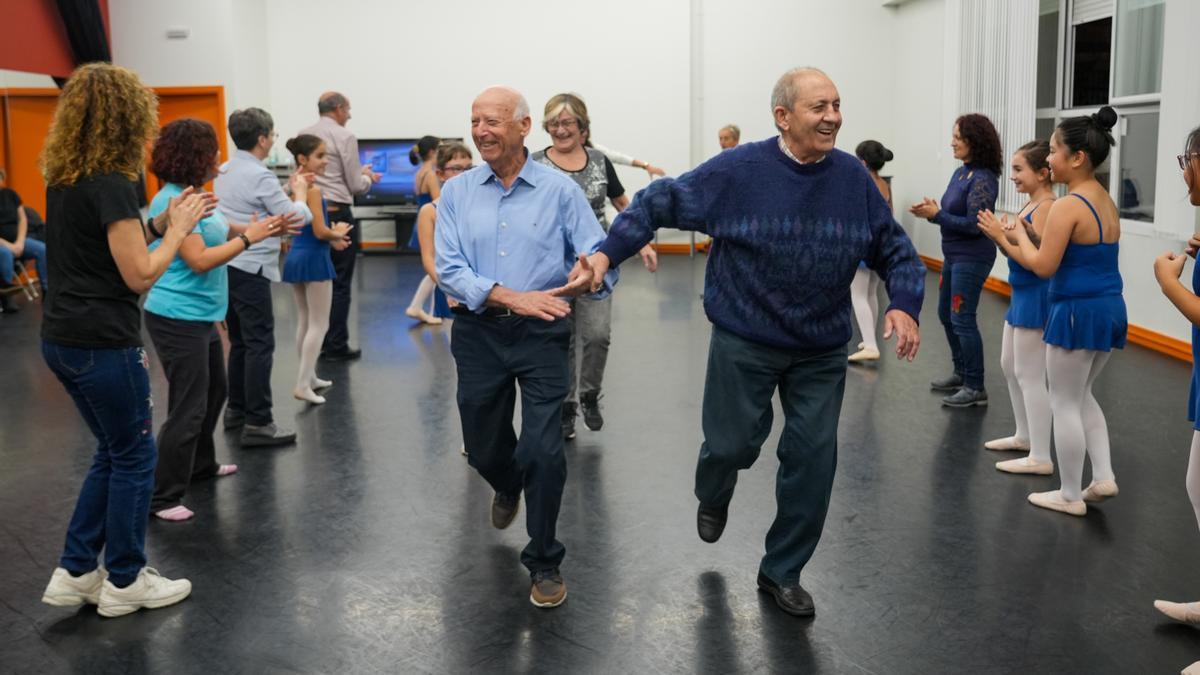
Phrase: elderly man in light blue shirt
(508, 237)
(245, 187)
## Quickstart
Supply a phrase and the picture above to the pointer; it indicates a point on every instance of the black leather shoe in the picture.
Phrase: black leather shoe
(792, 599)
(710, 522)
(267, 435)
(568, 421)
(504, 509)
(589, 405)
(343, 355)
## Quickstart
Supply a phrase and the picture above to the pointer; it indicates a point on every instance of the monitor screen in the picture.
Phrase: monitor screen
(389, 157)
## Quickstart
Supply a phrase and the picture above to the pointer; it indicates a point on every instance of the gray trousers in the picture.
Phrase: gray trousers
(591, 330)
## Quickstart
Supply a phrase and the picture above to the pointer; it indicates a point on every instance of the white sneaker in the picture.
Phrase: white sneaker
(65, 590)
(1008, 444)
(1100, 490)
(151, 590)
(1026, 465)
(1183, 612)
(1054, 501)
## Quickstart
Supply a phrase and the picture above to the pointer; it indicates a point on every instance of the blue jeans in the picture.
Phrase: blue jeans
(958, 299)
(111, 388)
(34, 250)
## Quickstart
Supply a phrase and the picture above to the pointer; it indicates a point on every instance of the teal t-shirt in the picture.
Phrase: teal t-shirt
(181, 293)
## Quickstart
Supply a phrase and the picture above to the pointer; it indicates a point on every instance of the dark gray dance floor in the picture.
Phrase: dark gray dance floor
(367, 548)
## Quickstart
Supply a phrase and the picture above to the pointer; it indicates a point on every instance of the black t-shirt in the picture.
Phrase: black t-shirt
(10, 201)
(615, 189)
(88, 305)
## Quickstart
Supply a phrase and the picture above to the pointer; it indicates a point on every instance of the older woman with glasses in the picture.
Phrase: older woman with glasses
(566, 120)
(452, 159)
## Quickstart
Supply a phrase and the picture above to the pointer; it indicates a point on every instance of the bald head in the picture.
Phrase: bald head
(500, 97)
(790, 86)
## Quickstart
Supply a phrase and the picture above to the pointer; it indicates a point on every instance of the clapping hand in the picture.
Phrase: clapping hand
(341, 236)
(257, 230)
(926, 208)
(1168, 267)
(1193, 245)
(908, 334)
(299, 183)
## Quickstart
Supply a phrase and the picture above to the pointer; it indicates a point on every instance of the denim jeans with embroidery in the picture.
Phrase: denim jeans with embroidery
(958, 298)
(111, 388)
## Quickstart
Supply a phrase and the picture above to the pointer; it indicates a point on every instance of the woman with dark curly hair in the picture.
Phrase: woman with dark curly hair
(968, 254)
(182, 311)
(91, 329)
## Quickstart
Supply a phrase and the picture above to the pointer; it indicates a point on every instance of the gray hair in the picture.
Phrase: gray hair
(330, 103)
(786, 92)
(521, 109)
(737, 133)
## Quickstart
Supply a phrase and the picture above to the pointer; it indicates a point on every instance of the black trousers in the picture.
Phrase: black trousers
(493, 355)
(251, 321)
(194, 361)
(337, 338)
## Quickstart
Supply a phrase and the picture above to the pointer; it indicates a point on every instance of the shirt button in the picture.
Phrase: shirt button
(502, 254)
(503, 225)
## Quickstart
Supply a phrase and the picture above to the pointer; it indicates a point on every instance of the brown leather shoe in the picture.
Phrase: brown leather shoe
(504, 509)
(548, 589)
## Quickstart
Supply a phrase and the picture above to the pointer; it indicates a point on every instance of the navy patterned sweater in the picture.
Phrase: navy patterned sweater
(787, 239)
(971, 190)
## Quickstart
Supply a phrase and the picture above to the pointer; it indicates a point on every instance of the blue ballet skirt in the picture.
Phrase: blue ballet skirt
(308, 259)
(1194, 395)
(414, 242)
(1087, 310)
(1030, 304)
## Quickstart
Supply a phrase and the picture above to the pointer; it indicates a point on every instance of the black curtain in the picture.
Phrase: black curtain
(85, 32)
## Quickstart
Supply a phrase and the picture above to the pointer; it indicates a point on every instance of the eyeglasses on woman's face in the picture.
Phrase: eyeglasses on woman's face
(457, 168)
(568, 123)
(1185, 158)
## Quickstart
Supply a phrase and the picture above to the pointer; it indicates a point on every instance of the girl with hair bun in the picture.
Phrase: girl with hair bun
(864, 290)
(309, 269)
(1022, 351)
(1087, 318)
(427, 189)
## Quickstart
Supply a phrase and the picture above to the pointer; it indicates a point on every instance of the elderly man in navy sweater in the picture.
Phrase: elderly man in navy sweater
(790, 218)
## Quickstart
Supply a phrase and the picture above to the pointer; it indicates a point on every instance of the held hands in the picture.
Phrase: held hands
(1168, 267)
(579, 281)
(649, 257)
(908, 334)
(600, 263)
(653, 170)
(927, 208)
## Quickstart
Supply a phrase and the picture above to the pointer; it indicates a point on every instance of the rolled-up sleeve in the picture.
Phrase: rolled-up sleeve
(352, 167)
(455, 275)
(584, 233)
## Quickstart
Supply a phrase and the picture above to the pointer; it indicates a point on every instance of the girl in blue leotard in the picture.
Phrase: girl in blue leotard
(1087, 310)
(427, 189)
(1022, 351)
(1167, 269)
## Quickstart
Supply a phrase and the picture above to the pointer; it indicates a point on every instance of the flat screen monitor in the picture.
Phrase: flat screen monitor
(389, 157)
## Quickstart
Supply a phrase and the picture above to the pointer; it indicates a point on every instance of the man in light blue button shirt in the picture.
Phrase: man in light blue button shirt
(246, 187)
(508, 235)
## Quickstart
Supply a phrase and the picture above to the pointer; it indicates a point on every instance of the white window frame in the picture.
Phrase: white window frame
(1124, 105)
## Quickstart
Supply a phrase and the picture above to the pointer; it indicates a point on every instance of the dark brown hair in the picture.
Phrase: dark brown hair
(980, 134)
(185, 152)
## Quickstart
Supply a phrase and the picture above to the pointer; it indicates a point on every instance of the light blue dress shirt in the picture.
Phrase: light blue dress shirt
(181, 292)
(525, 238)
(244, 187)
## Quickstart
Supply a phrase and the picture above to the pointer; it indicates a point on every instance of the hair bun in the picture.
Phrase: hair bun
(1105, 118)
(887, 155)
(291, 145)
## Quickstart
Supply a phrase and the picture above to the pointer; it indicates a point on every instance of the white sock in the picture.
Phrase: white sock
(860, 298)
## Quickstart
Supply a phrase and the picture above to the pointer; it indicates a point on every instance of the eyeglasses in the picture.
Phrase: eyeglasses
(1183, 159)
(569, 123)
(457, 169)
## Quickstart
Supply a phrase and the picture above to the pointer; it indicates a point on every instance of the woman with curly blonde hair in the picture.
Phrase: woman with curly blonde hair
(91, 330)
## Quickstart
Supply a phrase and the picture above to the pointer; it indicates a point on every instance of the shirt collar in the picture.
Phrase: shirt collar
(526, 173)
(246, 155)
(788, 151)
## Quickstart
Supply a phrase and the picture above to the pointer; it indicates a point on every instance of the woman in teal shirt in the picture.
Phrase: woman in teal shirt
(181, 314)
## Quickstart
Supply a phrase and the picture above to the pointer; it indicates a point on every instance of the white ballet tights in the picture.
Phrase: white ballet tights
(312, 321)
(1079, 424)
(1023, 359)
(423, 293)
(1193, 475)
(864, 296)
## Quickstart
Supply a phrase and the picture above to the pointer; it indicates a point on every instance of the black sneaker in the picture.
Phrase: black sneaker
(504, 509)
(710, 522)
(568, 421)
(965, 398)
(589, 405)
(952, 383)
